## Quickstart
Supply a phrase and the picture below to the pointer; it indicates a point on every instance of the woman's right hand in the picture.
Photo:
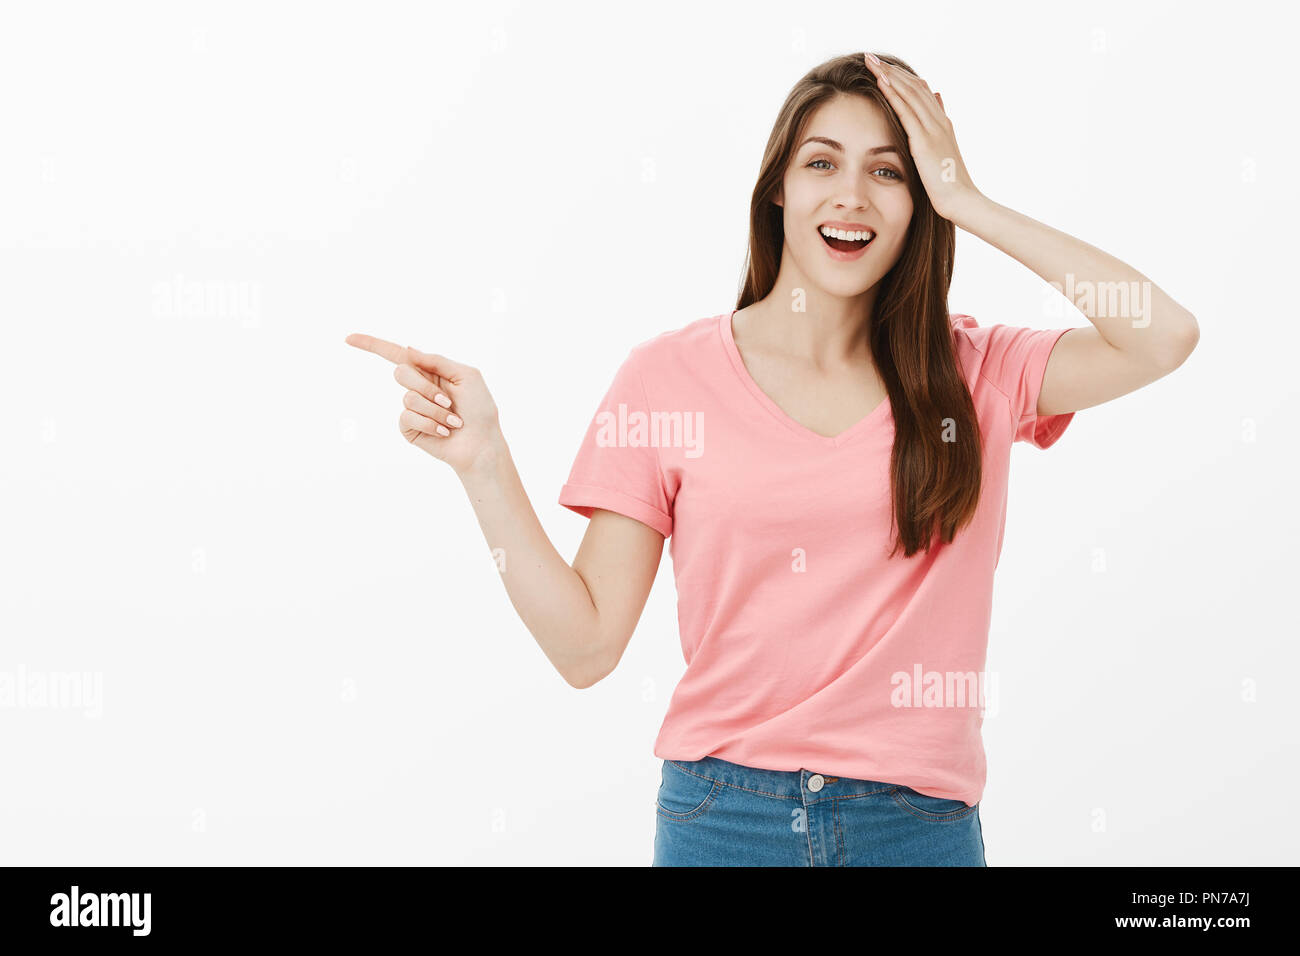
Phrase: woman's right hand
(426, 377)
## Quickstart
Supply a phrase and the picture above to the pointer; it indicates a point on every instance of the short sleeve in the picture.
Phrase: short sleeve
(1015, 360)
(617, 466)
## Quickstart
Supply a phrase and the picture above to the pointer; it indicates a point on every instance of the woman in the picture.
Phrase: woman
(830, 461)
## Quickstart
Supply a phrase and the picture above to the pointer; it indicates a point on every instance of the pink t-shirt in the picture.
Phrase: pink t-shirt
(806, 646)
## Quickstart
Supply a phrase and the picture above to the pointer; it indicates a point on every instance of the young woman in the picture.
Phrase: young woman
(830, 462)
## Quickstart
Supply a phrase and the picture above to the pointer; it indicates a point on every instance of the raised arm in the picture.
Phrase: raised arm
(1138, 334)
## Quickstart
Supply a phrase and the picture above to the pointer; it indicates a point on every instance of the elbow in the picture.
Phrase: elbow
(583, 681)
(587, 674)
(1191, 335)
(596, 659)
(1183, 343)
(577, 681)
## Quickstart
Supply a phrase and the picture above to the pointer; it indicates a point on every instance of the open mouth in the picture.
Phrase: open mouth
(845, 245)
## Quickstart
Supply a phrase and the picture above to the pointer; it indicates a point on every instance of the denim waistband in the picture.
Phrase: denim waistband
(792, 784)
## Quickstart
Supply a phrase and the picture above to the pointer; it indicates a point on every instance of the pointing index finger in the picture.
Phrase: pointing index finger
(382, 347)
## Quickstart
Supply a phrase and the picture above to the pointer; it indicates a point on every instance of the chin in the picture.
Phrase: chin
(846, 285)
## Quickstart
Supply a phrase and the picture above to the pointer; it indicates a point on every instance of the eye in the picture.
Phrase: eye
(883, 169)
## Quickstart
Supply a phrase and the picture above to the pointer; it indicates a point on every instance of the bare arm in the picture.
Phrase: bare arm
(1139, 333)
(582, 615)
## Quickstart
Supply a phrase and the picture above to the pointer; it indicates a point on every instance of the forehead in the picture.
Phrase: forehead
(855, 121)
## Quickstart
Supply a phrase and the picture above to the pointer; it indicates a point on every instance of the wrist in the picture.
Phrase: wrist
(486, 465)
(967, 208)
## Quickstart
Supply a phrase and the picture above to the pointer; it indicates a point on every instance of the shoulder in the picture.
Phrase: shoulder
(1010, 357)
(667, 361)
(674, 348)
(969, 344)
(967, 332)
(679, 339)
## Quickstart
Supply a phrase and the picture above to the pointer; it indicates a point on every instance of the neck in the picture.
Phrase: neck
(823, 330)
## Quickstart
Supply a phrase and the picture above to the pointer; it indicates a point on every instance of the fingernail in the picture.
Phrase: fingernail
(873, 57)
(454, 421)
(442, 400)
(443, 431)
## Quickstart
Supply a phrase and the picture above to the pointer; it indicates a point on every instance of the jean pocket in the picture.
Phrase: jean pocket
(926, 807)
(683, 794)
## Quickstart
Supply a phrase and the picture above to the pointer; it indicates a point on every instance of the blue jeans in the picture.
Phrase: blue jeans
(711, 812)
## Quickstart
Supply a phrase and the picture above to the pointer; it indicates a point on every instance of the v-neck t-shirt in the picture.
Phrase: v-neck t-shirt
(806, 645)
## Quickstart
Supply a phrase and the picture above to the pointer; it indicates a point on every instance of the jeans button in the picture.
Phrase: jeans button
(815, 782)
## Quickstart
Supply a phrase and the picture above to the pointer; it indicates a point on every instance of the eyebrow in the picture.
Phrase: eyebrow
(833, 144)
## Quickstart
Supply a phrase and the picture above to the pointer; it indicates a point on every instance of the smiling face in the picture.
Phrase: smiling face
(845, 170)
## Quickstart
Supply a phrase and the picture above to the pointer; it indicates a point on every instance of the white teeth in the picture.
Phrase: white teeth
(841, 234)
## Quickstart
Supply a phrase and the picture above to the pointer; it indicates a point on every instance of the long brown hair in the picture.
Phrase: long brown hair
(935, 480)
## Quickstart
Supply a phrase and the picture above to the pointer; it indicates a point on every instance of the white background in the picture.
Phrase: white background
(306, 653)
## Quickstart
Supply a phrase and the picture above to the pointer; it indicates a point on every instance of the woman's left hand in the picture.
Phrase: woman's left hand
(930, 137)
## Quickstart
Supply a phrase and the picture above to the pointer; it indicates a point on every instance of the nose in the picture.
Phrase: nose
(856, 192)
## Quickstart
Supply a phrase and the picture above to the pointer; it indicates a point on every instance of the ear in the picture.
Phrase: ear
(779, 200)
